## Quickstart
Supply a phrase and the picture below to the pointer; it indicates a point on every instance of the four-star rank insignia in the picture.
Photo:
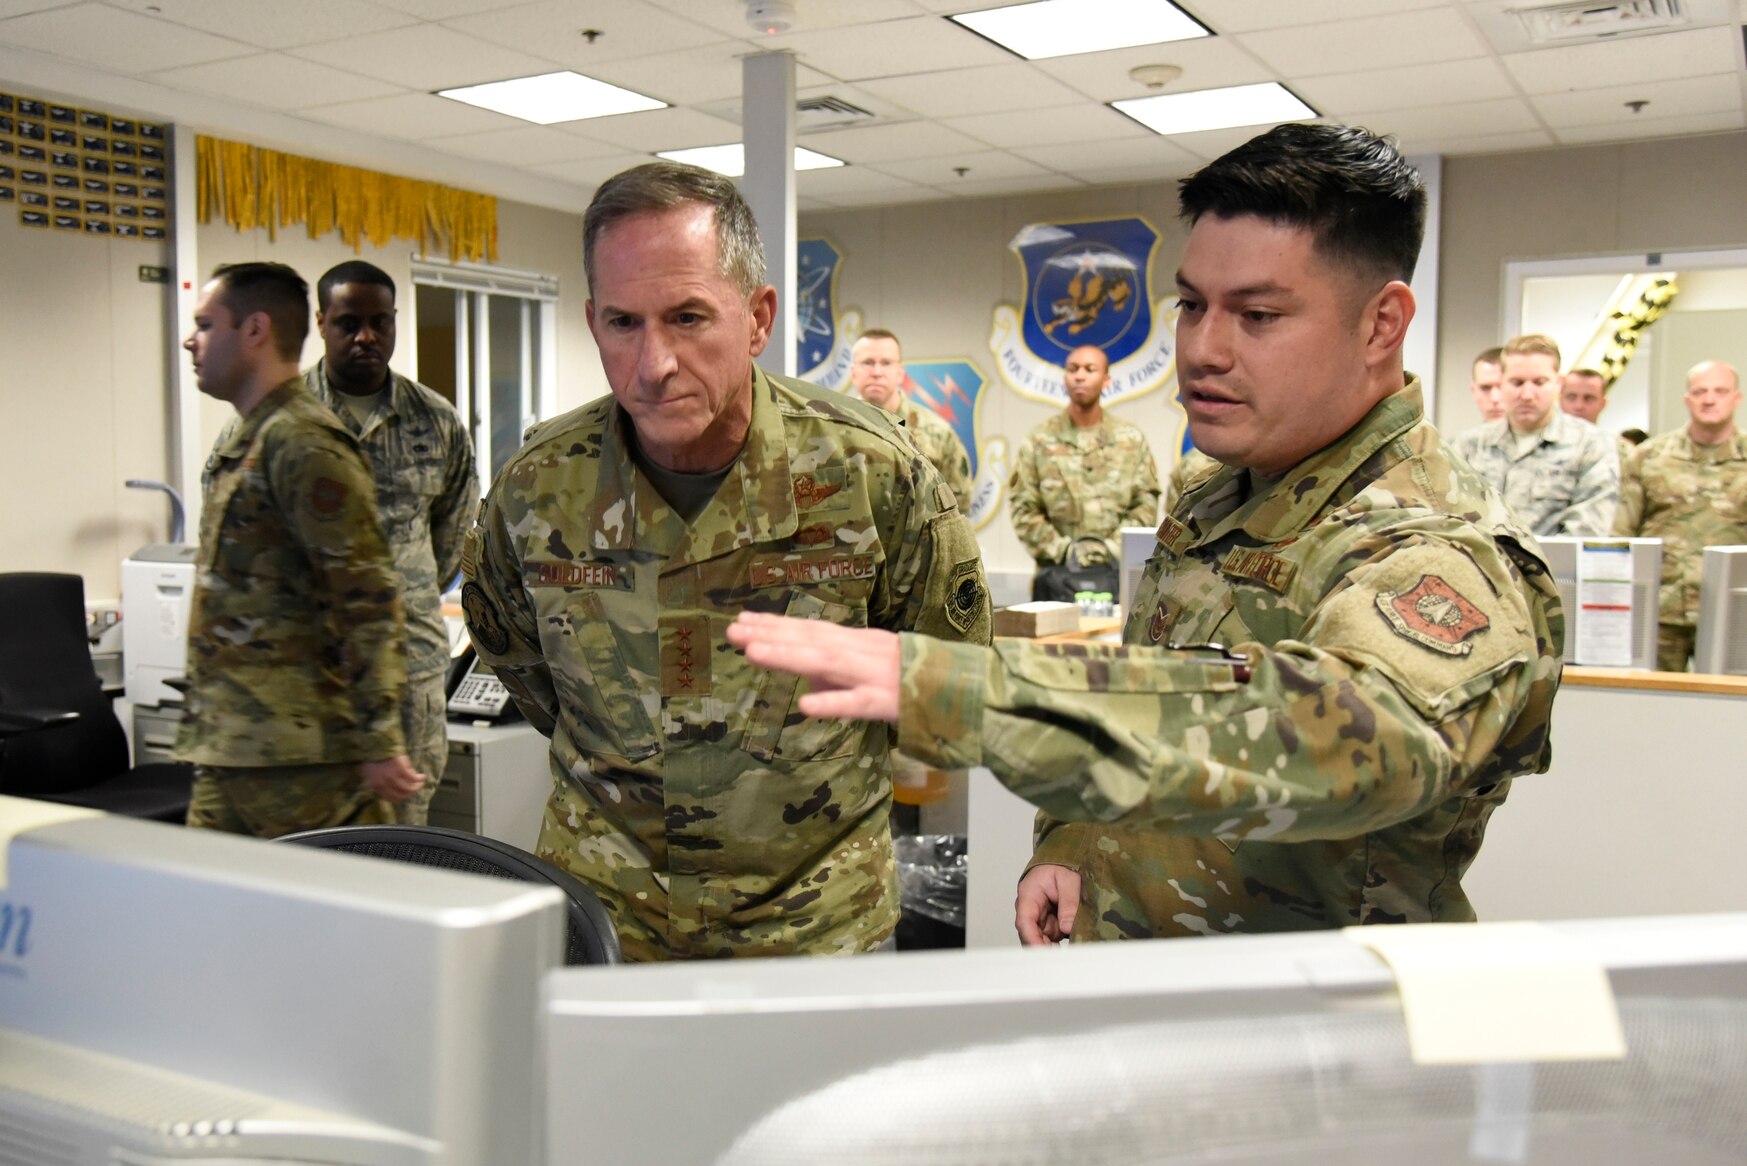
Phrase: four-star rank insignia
(1434, 615)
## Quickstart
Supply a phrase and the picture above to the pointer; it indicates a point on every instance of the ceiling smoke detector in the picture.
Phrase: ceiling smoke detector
(1560, 23)
(1155, 76)
(770, 16)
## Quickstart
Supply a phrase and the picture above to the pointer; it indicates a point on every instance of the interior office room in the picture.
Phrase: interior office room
(1573, 156)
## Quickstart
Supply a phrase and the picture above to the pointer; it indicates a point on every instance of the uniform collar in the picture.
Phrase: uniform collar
(316, 377)
(243, 435)
(1305, 489)
(1688, 448)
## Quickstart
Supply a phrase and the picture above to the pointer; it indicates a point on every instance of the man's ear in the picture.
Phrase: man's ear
(762, 309)
(1383, 324)
(258, 329)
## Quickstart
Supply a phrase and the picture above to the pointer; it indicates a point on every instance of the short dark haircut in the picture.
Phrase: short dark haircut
(351, 271)
(881, 334)
(1594, 374)
(1365, 205)
(1635, 436)
(273, 288)
(663, 186)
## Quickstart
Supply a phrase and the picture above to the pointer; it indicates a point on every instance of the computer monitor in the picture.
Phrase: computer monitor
(1609, 587)
(1721, 645)
(173, 995)
(1246, 1049)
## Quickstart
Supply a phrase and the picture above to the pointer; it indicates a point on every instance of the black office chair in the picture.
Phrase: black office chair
(59, 738)
(590, 937)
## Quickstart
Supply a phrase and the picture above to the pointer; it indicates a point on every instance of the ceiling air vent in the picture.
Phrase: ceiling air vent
(1564, 23)
(819, 113)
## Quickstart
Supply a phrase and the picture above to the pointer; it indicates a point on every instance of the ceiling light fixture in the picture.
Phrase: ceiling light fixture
(730, 160)
(1269, 103)
(1061, 28)
(553, 97)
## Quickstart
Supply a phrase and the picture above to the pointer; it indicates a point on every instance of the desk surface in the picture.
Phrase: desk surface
(1588, 677)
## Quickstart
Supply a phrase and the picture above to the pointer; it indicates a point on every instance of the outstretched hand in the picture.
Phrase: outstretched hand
(853, 671)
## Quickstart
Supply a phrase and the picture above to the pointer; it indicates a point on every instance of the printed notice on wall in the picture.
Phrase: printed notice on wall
(1604, 604)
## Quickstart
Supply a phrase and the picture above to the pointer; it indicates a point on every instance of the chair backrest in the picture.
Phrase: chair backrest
(45, 662)
(590, 937)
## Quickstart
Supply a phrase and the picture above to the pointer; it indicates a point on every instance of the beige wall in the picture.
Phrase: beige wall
(1683, 193)
(934, 273)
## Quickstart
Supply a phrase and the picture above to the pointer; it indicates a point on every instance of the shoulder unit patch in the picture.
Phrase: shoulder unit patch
(1434, 615)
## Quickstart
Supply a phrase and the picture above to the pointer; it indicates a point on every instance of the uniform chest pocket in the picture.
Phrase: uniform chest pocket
(589, 674)
(777, 730)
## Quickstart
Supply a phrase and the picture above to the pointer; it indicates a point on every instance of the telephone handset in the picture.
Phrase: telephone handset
(475, 692)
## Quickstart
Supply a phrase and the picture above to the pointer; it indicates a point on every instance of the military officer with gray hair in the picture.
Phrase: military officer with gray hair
(1689, 489)
(711, 816)
(296, 650)
(1343, 648)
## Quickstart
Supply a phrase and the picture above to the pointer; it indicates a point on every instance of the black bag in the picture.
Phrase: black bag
(1065, 580)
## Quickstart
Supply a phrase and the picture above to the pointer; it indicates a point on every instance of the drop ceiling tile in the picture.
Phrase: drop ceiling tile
(963, 92)
(273, 24)
(1459, 120)
(1210, 144)
(706, 74)
(447, 9)
(992, 187)
(1077, 158)
(941, 172)
(552, 29)
(117, 41)
(871, 198)
(591, 172)
(1207, 63)
(804, 205)
(843, 180)
(293, 82)
(658, 129)
(1689, 53)
(893, 143)
(1252, 15)
(523, 147)
(1406, 38)
(1140, 175)
(1343, 96)
(1683, 97)
(1636, 130)
(923, 44)
(411, 116)
(1484, 144)
(20, 7)
(729, 17)
(1085, 122)
(425, 56)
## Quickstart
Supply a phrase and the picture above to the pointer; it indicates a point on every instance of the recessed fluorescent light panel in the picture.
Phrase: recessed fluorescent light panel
(730, 160)
(553, 97)
(1061, 28)
(1269, 103)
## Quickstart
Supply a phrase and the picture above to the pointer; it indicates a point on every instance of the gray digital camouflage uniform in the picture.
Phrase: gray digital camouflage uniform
(425, 492)
(1394, 648)
(710, 815)
(941, 446)
(1691, 497)
(1070, 483)
(1566, 484)
(296, 652)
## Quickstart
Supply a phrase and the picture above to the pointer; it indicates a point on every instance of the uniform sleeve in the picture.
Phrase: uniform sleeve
(936, 584)
(500, 619)
(1143, 508)
(1591, 513)
(329, 500)
(956, 469)
(1629, 517)
(1411, 675)
(1042, 541)
(453, 507)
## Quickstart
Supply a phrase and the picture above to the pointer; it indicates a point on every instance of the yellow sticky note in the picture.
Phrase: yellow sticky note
(1487, 993)
(20, 814)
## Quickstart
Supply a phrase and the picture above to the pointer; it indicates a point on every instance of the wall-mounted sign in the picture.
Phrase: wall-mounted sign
(1086, 282)
(953, 389)
(822, 338)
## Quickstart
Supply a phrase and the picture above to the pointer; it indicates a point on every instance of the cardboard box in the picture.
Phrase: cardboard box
(1037, 618)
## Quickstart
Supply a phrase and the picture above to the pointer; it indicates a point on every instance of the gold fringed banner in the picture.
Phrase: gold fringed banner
(251, 187)
(1631, 322)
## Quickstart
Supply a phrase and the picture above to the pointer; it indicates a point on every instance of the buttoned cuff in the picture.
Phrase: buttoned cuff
(940, 700)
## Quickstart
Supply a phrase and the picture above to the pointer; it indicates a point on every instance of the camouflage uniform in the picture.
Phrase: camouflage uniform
(1691, 497)
(941, 446)
(1567, 484)
(425, 486)
(296, 641)
(1395, 651)
(712, 817)
(1070, 483)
